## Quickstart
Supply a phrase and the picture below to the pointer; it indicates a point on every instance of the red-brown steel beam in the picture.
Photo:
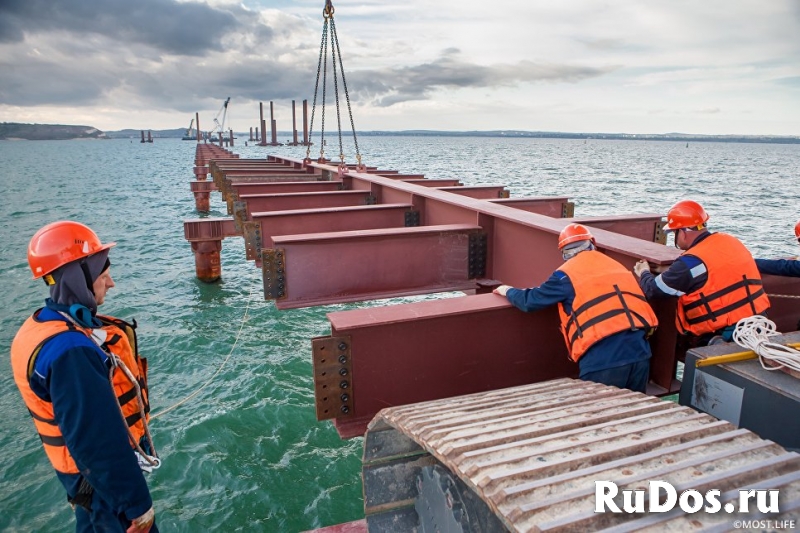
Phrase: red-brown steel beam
(233, 189)
(349, 218)
(519, 248)
(434, 182)
(329, 267)
(258, 203)
(239, 188)
(552, 206)
(405, 353)
(483, 192)
(648, 227)
(395, 175)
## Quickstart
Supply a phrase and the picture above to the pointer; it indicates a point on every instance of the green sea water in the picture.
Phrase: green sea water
(247, 454)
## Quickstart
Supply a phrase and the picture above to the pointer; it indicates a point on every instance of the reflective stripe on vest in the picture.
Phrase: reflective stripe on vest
(733, 290)
(608, 300)
(25, 349)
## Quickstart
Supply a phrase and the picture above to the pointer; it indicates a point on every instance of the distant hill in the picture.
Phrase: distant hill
(47, 132)
(137, 134)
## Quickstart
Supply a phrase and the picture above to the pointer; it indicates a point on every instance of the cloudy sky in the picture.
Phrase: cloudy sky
(710, 66)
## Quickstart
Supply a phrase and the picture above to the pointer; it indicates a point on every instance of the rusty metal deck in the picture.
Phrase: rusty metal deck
(532, 453)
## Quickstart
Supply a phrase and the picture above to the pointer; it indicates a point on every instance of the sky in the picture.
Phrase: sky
(687, 66)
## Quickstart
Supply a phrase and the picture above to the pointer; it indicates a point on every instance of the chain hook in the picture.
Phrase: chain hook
(327, 13)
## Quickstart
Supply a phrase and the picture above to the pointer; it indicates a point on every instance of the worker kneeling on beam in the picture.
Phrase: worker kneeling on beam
(715, 280)
(85, 385)
(605, 318)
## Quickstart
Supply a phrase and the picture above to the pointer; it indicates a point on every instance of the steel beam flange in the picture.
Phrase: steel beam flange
(273, 273)
(333, 377)
(252, 239)
(568, 210)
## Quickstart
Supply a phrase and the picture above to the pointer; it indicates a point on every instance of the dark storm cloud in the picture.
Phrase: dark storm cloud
(391, 86)
(58, 68)
(173, 27)
(259, 80)
(31, 83)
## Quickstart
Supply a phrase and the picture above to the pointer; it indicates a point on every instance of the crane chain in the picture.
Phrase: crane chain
(322, 66)
(342, 166)
(307, 160)
(359, 166)
(324, 94)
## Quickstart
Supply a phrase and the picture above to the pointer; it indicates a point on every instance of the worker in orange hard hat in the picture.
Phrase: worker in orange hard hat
(84, 384)
(781, 267)
(715, 280)
(605, 318)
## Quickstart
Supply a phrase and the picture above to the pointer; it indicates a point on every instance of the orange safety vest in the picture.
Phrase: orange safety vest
(733, 290)
(120, 340)
(608, 300)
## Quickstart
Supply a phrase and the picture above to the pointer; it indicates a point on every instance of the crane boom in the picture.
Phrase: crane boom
(220, 126)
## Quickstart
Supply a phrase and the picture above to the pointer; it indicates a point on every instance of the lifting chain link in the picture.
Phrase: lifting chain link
(322, 46)
(322, 66)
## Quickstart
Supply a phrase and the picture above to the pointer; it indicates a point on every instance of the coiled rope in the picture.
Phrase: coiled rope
(221, 366)
(753, 333)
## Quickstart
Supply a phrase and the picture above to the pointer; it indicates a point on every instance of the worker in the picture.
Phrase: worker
(715, 280)
(781, 267)
(84, 384)
(605, 318)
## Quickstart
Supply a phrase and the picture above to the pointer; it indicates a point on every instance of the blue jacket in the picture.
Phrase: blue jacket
(72, 373)
(779, 267)
(623, 348)
(685, 275)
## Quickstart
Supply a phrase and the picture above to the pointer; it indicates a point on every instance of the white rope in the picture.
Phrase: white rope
(753, 333)
(784, 296)
(221, 366)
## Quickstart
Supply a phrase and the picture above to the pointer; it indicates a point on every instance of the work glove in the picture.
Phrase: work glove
(143, 523)
(641, 267)
(144, 464)
(501, 290)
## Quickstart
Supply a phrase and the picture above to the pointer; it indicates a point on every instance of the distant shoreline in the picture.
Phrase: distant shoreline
(16, 131)
(677, 137)
(508, 134)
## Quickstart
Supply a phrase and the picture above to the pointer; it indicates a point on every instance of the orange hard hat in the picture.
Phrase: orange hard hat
(686, 214)
(60, 243)
(574, 233)
(797, 229)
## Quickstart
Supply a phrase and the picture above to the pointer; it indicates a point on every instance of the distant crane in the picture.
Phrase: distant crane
(219, 127)
(190, 134)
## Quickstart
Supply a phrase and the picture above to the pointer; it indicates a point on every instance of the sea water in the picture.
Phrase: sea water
(246, 453)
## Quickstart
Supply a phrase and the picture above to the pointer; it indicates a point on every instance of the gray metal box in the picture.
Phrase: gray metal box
(743, 393)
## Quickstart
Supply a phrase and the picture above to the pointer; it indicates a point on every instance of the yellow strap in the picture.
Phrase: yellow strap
(733, 357)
